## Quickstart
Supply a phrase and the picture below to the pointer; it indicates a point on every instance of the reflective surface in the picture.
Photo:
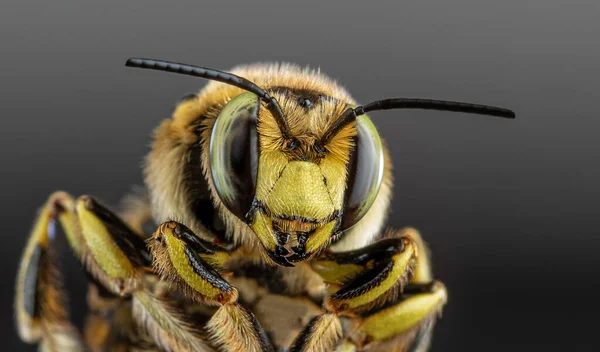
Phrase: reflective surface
(365, 172)
(234, 153)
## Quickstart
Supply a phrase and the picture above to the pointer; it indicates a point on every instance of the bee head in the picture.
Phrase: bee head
(296, 190)
(287, 164)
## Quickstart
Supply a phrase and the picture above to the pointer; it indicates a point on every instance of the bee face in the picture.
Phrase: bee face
(296, 194)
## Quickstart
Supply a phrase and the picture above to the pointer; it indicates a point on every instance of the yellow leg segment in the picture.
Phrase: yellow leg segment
(41, 303)
(422, 273)
(188, 262)
(359, 280)
(406, 325)
(366, 277)
(113, 253)
(120, 260)
(386, 291)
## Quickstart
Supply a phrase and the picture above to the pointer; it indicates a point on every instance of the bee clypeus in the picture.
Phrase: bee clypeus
(261, 230)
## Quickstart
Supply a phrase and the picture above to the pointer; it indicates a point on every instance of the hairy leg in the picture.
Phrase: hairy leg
(117, 260)
(369, 287)
(41, 307)
(192, 265)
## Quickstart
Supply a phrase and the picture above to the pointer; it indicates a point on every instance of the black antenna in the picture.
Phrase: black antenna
(413, 103)
(270, 103)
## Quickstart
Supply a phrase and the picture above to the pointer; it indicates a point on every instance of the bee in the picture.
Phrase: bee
(261, 228)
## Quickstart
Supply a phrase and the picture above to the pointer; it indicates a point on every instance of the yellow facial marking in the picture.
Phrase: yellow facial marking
(300, 191)
(101, 245)
(263, 228)
(334, 171)
(270, 166)
(320, 236)
(181, 263)
(404, 315)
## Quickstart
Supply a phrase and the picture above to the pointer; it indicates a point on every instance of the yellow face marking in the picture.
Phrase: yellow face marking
(300, 191)
(99, 242)
(263, 228)
(181, 263)
(270, 166)
(334, 171)
(404, 315)
(320, 236)
(401, 263)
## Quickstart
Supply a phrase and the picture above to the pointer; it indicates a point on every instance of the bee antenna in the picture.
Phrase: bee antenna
(413, 103)
(270, 103)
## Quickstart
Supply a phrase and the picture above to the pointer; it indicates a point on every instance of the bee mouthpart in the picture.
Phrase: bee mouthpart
(279, 258)
(289, 249)
(291, 240)
(292, 246)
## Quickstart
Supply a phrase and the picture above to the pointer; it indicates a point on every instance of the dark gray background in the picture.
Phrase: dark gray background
(510, 208)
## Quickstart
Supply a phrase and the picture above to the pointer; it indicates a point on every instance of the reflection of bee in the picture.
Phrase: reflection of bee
(280, 190)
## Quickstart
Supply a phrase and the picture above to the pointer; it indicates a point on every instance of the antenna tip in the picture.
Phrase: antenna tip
(134, 62)
(510, 114)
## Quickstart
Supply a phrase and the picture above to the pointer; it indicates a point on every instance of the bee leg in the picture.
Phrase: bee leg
(116, 258)
(119, 259)
(188, 262)
(111, 251)
(393, 309)
(402, 326)
(363, 279)
(358, 280)
(110, 326)
(41, 302)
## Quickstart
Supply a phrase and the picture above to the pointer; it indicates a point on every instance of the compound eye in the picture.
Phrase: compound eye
(365, 173)
(234, 153)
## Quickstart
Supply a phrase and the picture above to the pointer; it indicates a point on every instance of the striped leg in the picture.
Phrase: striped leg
(191, 264)
(41, 309)
(367, 285)
(118, 261)
(406, 325)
